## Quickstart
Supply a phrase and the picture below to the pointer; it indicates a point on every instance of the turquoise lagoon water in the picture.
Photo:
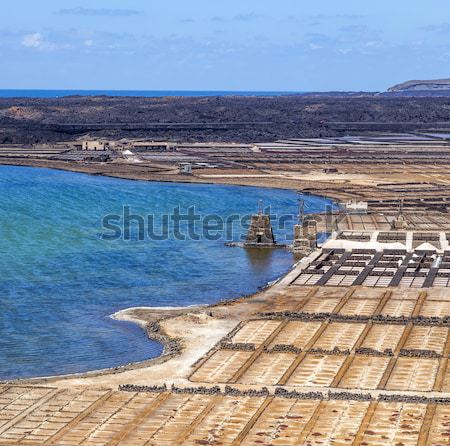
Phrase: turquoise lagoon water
(61, 279)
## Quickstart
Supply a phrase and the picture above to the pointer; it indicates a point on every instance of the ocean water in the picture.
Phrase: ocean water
(133, 93)
(62, 275)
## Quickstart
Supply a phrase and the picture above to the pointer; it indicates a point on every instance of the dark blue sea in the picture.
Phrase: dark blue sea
(133, 93)
(63, 275)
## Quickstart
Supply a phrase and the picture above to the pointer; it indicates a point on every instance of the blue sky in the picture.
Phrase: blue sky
(288, 45)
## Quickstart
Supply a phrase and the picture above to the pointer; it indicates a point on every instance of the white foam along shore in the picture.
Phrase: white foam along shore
(124, 315)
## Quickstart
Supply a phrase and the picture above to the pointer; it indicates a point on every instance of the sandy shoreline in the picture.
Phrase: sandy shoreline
(143, 172)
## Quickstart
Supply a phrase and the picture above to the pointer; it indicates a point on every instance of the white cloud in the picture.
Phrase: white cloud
(32, 40)
(36, 40)
(246, 17)
(374, 44)
(442, 28)
(88, 43)
(100, 12)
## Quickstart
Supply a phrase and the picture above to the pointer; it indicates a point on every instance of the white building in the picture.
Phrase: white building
(95, 145)
(356, 207)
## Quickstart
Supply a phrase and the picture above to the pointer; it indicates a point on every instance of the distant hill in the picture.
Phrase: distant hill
(426, 85)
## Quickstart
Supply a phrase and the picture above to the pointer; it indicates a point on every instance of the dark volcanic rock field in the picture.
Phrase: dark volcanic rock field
(240, 119)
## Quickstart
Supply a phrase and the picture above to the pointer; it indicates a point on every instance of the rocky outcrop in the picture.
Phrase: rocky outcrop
(380, 318)
(142, 389)
(414, 399)
(423, 85)
(371, 352)
(202, 390)
(350, 396)
(248, 392)
(241, 346)
(293, 394)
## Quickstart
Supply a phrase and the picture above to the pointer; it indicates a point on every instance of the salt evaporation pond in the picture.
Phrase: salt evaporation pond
(61, 279)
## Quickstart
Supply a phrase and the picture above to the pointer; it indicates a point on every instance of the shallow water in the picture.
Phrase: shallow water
(61, 279)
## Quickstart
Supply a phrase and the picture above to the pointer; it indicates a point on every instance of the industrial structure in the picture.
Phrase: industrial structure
(95, 145)
(260, 232)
